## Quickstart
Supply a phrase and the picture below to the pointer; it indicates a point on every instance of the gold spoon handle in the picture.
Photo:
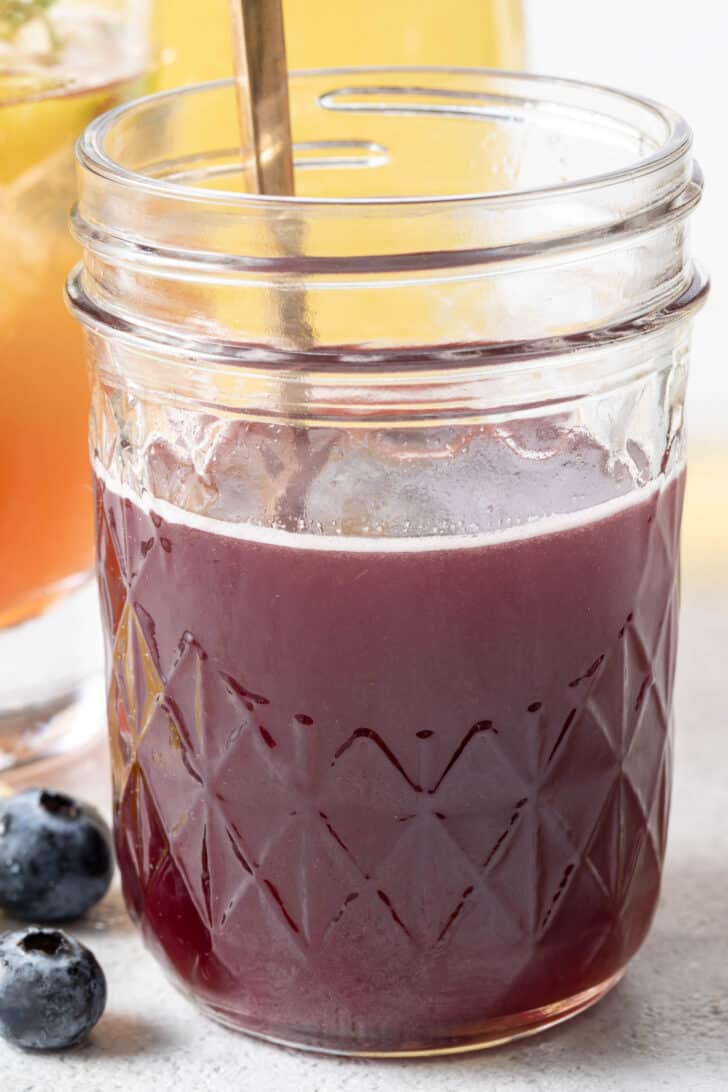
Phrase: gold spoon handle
(262, 78)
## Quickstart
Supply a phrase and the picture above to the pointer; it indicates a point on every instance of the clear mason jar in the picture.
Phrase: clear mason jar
(388, 492)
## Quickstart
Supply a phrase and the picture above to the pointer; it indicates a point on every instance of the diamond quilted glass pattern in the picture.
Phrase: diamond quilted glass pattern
(315, 849)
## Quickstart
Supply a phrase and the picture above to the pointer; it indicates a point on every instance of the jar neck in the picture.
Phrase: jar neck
(515, 294)
(431, 284)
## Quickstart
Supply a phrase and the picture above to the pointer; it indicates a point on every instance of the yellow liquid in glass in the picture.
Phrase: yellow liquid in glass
(195, 38)
(46, 510)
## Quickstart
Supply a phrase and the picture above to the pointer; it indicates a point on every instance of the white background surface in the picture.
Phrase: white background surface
(665, 1029)
(677, 52)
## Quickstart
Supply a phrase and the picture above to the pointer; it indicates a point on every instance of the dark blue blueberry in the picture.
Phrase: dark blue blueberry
(56, 858)
(52, 990)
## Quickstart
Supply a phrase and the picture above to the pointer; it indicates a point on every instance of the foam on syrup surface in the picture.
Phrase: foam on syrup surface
(344, 543)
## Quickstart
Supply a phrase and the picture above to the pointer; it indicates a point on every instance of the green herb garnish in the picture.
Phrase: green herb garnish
(16, 14)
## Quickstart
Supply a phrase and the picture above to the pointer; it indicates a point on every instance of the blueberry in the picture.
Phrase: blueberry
(52, 990)
(56, 858)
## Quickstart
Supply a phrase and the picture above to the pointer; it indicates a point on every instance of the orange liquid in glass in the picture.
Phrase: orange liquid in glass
(47, 527)
(46, 511)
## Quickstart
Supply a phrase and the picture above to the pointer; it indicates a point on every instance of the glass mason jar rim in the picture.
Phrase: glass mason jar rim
(445, 285)
(677, 142)
(406, 233)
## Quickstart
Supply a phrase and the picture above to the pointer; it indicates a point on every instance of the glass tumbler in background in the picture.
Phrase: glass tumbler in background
(388, 494)
(194, 39)
(60, 66)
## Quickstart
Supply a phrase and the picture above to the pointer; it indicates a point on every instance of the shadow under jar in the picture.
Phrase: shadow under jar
(388, 494)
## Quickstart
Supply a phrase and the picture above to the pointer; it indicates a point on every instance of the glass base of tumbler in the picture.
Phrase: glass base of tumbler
(51, 682)
(491, 1034)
